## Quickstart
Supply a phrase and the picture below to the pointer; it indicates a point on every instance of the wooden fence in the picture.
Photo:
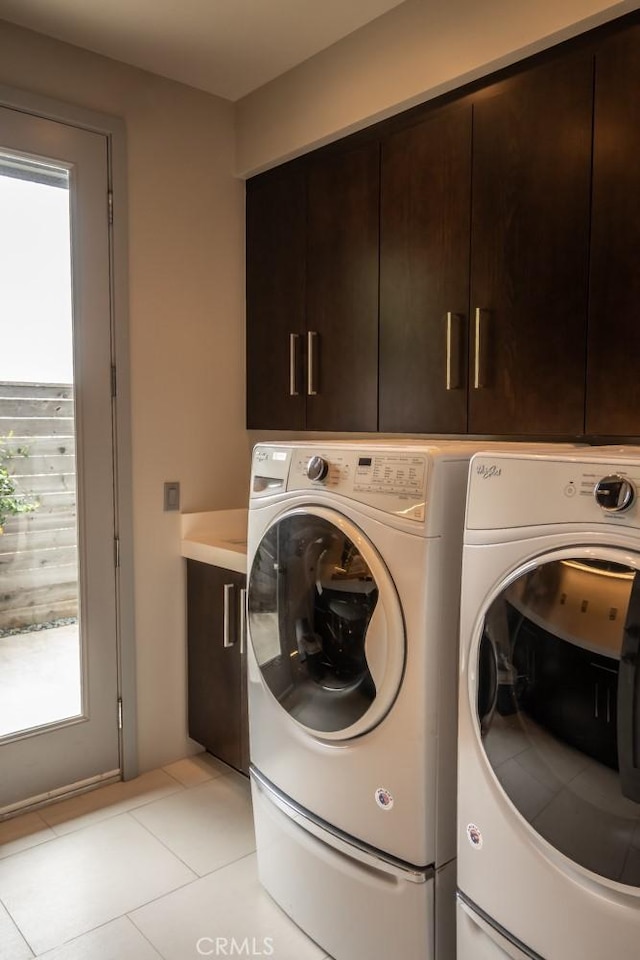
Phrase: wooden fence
(38, 550)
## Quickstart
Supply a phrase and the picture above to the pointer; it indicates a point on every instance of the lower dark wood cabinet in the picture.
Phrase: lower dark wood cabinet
(216, 667)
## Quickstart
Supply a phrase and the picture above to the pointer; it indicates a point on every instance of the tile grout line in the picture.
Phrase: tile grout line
(30, 846)
(135, 926)
(15, 923)
(130, 813)
(119, 916)
(110, 816)
(102, 926)
(197, 876)
(183, 886)
(56, 834)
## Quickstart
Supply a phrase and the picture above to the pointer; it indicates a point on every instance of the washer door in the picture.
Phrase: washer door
(558, 704)
(325, 623)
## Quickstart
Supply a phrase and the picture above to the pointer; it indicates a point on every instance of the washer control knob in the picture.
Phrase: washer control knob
(317, 468)
(614, 493)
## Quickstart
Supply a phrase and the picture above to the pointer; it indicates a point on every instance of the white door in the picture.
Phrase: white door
(58, 648)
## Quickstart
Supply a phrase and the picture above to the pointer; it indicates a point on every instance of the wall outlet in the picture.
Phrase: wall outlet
(172, 495)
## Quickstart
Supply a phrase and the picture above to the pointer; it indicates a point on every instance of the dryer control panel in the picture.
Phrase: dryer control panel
(510, 491)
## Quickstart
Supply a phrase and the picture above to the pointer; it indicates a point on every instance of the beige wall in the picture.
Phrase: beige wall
(415, 52)
(186, 327)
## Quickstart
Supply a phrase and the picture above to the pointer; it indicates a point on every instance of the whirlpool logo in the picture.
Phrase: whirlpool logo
(488, 471)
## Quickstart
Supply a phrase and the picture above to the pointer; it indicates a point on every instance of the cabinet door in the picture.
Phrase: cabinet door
(613, 384)
(529, 250)
(275, 300)
(424, 274)
(342, 290)
(215, 684)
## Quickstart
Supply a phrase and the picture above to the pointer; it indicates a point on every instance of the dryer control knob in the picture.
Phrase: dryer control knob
(614, 493)
(317, 468)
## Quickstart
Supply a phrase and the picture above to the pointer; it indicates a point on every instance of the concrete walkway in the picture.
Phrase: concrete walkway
(39, 678)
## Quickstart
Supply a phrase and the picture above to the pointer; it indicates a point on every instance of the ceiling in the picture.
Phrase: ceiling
(226, 47)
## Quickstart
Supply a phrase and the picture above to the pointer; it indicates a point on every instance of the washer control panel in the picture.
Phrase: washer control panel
(390, 473)
(391, 480)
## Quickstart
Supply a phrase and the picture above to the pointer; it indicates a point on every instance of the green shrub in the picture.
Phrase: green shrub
(11, 502)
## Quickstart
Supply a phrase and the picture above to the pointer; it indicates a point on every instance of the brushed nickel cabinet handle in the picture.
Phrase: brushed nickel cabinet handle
(243, 619)
(480, 336)
(312, 387)
(453, 351)
(226, 615)
(293, 364)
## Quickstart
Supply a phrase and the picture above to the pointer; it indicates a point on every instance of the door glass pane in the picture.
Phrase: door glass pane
(559, 708)
(311, 597)
(40, 662)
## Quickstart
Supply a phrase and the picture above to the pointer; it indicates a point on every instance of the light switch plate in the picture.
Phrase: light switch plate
(172, 495)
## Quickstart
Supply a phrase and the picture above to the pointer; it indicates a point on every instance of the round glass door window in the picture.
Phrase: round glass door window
(325, 624)
(558, 705)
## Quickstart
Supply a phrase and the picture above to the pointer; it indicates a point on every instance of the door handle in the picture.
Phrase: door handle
(312, 387)
(227, 640)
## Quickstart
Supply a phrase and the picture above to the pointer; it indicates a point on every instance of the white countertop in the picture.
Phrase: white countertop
(218, 537)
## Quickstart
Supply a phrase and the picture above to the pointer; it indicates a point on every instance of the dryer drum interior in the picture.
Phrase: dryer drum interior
(558, 704)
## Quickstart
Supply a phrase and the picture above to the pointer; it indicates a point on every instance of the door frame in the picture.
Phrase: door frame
(113, 129)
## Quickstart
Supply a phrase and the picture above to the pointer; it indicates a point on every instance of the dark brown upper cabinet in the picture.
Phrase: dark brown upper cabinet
(276, 239)
(531, 192)
(312, 294)
(342, 290)
(466, 267)
(613, 381)
(424, 274)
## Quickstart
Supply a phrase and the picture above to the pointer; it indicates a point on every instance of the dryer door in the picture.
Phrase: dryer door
(558, 704)
(325, 623)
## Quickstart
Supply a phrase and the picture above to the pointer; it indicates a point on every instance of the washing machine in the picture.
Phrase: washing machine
(549, 712)
(353, 597)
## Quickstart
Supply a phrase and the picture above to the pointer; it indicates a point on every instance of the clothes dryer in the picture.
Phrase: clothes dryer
(549, 712)
(353, 597)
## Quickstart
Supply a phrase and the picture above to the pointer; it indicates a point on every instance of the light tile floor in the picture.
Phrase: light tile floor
(159, 868)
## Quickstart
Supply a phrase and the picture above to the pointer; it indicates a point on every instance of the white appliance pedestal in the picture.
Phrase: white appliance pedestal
(352, 909)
